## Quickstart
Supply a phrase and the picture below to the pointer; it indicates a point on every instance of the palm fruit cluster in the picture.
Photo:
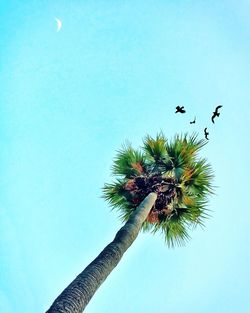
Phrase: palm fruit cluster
(136, 189)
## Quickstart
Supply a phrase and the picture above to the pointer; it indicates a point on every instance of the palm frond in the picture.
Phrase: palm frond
(156, 152)
(129, 162)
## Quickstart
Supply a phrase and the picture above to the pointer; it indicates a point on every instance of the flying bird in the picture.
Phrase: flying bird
(193, 122)
(180, 109)
(206, 133)
(216, 113)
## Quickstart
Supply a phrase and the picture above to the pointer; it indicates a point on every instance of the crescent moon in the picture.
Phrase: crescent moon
(59, 24)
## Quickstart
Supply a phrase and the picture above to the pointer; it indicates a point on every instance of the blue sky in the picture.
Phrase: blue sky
(70, 99)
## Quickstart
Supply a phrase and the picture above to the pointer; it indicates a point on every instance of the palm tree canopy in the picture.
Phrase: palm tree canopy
(173, 170)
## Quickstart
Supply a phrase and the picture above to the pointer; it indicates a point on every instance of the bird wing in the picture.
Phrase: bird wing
(213, 118)
(217, 108)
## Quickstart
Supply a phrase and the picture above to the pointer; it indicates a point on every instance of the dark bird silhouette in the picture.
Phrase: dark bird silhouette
(193, 121)
(216, 113)
(180, 109)
(206, 133)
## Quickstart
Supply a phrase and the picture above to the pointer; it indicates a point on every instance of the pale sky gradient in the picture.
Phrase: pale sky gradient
(69, 99)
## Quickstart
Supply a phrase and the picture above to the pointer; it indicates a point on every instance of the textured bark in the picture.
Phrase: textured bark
(77, 295)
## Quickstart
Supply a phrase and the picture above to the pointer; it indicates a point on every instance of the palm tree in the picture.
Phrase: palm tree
(163, 187)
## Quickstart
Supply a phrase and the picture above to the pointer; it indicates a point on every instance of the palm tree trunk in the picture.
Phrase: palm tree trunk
(77, 295)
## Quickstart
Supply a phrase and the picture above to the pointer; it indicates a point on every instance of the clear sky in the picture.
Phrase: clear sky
(69, 99)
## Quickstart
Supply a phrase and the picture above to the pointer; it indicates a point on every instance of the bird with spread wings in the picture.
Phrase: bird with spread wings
(216, 113)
